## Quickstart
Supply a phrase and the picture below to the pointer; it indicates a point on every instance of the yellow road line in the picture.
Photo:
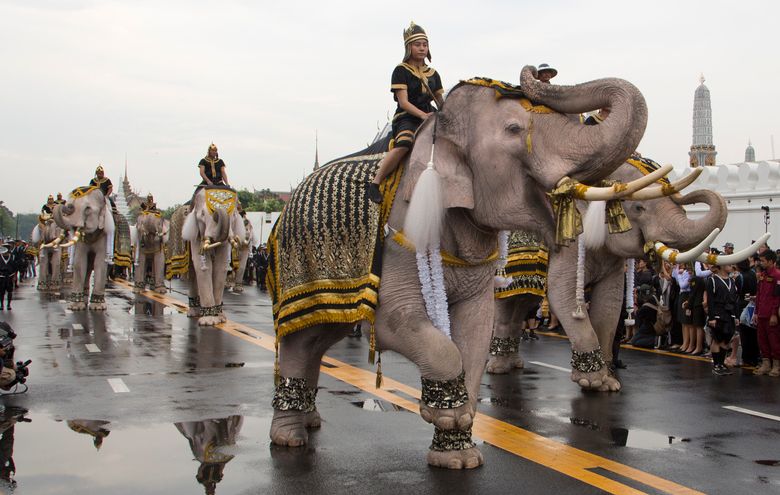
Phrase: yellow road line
(554, 455)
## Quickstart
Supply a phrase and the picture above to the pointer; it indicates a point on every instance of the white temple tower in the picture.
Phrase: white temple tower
(702, 150)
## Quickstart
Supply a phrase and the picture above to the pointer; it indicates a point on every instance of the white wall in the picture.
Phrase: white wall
(262, 223)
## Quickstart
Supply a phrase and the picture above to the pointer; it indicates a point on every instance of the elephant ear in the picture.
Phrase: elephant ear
(449, 162)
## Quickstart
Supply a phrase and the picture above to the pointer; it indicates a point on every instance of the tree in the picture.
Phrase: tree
(168, 212)
(262, 200)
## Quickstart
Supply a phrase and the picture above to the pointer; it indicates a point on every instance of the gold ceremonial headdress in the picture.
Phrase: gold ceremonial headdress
(50, 198)
(411, 34)
(213, 146)
(99, 169)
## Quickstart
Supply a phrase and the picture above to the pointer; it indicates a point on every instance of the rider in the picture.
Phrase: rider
(212, 168)
(545, 72)
(49, 206)
(414, 86)
(149, 205)
(104, 184)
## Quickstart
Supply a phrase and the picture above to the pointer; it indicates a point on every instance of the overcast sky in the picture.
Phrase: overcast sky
(87, 81)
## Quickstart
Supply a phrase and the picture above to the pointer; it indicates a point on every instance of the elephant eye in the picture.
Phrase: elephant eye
(639, 208)
(514, 128)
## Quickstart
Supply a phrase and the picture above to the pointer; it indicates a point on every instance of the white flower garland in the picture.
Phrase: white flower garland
(630, 291)
(431, 273)
(579, 294)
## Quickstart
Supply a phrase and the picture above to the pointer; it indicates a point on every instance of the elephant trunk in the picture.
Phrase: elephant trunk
(222, 225)
(694, 230)
(594, 151)
(58, 212)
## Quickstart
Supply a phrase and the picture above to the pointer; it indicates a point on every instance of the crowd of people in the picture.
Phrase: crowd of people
(16, 263)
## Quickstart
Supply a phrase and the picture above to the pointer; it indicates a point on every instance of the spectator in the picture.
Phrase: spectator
(721, 296)
(645, 318)
(747, 331)
(765, 316)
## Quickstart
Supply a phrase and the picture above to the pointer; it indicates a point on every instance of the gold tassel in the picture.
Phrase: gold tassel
(528, 142)
(379, 372)
(372, 346)
(277, 373)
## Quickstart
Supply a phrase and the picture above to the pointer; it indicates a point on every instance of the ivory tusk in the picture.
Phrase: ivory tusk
(731, 259)
(674, 256)
(618, 191)
(207, 244)
(76, 238)
(671, 189)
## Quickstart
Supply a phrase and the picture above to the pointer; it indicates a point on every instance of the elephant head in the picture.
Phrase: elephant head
(152, 231)
(84, 212)
(498, 156)
(663, 218)
(210, 225)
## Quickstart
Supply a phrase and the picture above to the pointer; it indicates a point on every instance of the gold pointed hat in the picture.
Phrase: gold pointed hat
(99, 169)
(411, 34)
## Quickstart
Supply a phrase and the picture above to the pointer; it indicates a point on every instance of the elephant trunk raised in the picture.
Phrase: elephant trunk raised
(695, 229)
(593, 152)
(60, 211)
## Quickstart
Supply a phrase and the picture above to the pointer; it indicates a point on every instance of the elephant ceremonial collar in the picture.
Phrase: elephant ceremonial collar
(446, 258)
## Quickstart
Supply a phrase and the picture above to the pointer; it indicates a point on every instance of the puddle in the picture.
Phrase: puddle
(768, 462)
(151, 309)
(377, 405)
(642, 439)
(497, 401)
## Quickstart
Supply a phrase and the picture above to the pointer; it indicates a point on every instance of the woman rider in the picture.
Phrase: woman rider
(212, 168)
(414, 86)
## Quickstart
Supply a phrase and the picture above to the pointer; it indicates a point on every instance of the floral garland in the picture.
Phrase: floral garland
(431, 273)
(579, 294)
(630, 291)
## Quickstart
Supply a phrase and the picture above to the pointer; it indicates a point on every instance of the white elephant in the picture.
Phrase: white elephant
(47, 236)
(151, 235)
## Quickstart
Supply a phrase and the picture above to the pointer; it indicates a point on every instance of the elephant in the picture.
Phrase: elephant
(654, 215)
(241, 249)
(48, 235)
(85, 213)
(199, 245)
(151, 236)
(494, 150)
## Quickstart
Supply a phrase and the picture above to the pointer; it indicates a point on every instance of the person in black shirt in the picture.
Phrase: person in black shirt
(414, 86)
(104, 183)
(49, 206)
(212, 168)
(721, 314)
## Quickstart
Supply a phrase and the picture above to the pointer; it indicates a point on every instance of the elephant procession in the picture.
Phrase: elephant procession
(489, 231)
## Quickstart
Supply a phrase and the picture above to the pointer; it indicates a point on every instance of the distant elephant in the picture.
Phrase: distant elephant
(656, 215)
(527, 260)
(151, 237)
(206, 439)
(48, 236)
(242, 246)
(496, 154)
(86, 215)
(199, 246)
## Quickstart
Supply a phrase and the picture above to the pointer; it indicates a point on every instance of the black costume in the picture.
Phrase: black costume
(103, 184)
(212, 167)
(7, 271)
(422, 86)
(261, 267)
(722, 307)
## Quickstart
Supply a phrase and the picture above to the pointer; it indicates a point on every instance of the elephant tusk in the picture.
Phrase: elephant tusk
(674, 256)
(76, 238)
(731, 259)
(207, 244)
(618, 191)
(671, 189)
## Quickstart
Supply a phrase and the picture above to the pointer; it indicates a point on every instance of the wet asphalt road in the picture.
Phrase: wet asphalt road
(177, 409)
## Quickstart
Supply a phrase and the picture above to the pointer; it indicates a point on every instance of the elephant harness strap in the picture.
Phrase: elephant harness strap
(447, 258)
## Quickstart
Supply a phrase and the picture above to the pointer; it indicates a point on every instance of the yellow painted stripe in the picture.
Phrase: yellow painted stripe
(554, 455)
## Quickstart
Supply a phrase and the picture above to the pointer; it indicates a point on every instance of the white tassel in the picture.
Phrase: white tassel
(630, 292)
(594, 225)
(189, 231)
(36, 235)
(579, 295)
(424, 217)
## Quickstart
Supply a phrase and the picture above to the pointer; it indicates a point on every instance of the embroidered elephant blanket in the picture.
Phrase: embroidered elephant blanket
(325, 249)
(527, 261)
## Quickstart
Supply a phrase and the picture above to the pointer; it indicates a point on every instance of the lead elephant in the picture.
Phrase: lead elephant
(498, 149)
(48, 235)
(151, 236)
(199, 247)
(85, 214)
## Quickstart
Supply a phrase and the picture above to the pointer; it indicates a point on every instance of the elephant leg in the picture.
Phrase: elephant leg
(158, 269)
(300, 355)
(588, 368)
(218, 278)
(402, 325)
(80, 280)
(55, 278)
(504, 347)
(43, 279)
(193, 308)
(97, 301)
(606, 299)
(140, 274)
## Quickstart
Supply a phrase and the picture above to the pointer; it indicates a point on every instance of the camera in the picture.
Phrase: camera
(22, 371)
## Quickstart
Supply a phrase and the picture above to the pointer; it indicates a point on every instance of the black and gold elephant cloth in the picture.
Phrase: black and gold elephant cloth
(177, 250)
(122, 244)
(326, 247)
(527, 261)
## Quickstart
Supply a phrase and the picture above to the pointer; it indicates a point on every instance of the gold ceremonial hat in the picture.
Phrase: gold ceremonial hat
(414, 33)
(99, 169)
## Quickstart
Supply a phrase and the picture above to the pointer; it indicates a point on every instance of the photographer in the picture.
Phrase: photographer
(11, 373)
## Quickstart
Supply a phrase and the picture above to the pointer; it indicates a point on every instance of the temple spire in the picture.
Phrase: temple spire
(316, 151)
(702, 149)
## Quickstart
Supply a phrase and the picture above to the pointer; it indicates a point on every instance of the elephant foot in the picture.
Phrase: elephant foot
(193, 312)
(238, 289)
(454, 449)
(445, 404)
(161, 290)
(501, 365)
(136, 290)
(288, 428)
(312, 419)
(97, 306)
(600, 380)
(456, 459)
(589, 370)
(77, 306)
(209, 321)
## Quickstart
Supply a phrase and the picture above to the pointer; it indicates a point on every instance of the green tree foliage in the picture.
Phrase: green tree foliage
(262, 200)
(168, 212)
(16, 226)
